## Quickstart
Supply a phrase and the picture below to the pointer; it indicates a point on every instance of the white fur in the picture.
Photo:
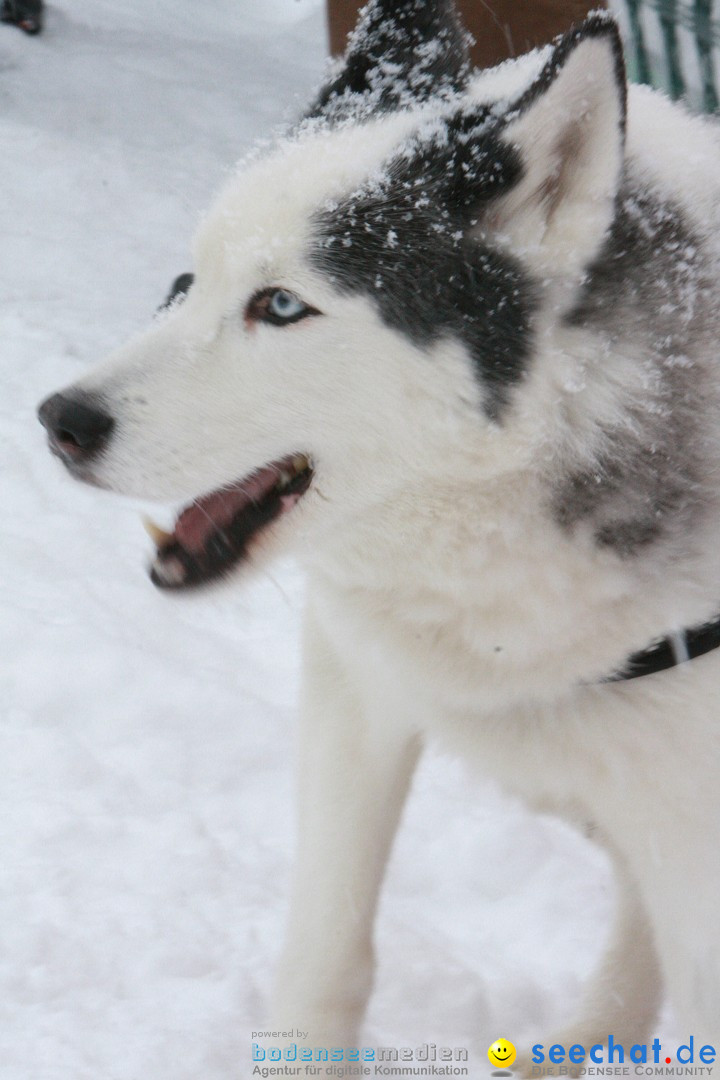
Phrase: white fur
(559, 213)
(444, 602)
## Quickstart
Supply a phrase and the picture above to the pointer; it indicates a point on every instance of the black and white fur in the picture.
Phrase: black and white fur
(510, 393)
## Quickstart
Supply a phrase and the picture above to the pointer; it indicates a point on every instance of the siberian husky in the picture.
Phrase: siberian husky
(454, 339)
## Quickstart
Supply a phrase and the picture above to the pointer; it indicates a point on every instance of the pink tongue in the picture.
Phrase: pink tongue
(215, 511)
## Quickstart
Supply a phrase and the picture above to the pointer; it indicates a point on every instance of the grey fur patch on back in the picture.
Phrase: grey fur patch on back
(630, 497)
(647, 295)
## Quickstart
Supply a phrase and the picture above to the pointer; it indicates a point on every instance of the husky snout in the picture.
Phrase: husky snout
(78, 429)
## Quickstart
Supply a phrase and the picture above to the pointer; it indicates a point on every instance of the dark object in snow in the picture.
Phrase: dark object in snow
(27, 14)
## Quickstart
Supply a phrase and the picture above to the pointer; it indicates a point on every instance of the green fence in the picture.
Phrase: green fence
(674, 44)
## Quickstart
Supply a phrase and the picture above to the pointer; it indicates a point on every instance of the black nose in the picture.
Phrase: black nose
(77, 427)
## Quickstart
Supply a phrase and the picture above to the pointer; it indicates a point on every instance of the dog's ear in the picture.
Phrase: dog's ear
(568, 131)
(401, 51)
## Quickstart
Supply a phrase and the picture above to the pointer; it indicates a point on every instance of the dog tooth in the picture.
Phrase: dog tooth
(169, 571)
(159, 537)
(300, 463)
(284, 480)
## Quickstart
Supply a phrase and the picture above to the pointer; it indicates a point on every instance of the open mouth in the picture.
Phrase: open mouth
(213, 534)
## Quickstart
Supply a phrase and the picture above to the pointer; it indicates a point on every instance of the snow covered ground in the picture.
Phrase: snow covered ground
(146, 743)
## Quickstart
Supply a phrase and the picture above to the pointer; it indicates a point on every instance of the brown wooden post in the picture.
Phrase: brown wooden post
(501, 28)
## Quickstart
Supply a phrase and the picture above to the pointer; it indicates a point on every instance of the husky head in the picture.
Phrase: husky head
(366, 294)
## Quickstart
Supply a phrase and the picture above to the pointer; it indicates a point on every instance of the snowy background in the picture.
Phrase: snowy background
(146, 742)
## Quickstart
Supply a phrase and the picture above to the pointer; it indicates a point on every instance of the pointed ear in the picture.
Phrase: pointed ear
(401, 51)
(568, 130)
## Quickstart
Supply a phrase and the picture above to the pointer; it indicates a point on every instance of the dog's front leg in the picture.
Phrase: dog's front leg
(356, 762)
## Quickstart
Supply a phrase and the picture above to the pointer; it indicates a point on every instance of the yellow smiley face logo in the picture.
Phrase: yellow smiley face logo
(502, 1053)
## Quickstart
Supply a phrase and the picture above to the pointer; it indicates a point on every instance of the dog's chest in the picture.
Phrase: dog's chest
(429, 656)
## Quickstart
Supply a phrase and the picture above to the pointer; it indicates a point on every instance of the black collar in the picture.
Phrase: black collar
(670, 651)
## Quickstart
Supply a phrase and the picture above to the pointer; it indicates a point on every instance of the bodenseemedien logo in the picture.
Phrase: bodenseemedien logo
(344, 1063)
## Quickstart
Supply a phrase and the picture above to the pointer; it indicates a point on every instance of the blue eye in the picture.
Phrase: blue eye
(285, 306)
(278, 307)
